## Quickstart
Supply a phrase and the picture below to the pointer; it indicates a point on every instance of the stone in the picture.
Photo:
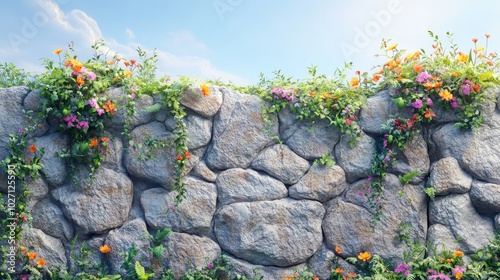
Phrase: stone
(246, 185)
(38, 189)
(50, 219)
(440, 238)
(252, 271)
(32, 101)
(199, 131)
(55, 167)
(457, 213)
(447, 177)
(239, 132)
(160, 168)
(348, 222)
(105, 204)
(497, 222)
(356, 161)
(485, 197)
(206, 106)
(45, 246)
(193, 215)
(280, 233)
(132, 233)
(320, 263)
(137, 211)
(113, 154)
(91, 254)
(312, 140)
(202, 171)
(184, 251)
(414, 158)
(281, 163)
(320, 183)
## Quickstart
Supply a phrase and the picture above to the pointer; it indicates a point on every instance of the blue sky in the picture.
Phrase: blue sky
(235, 40)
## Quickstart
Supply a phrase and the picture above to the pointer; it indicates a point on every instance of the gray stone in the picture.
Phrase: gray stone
(202, 171)
(414, 158)
(206, 106)
(440, 238)
(497, 222)
(239, 132)
(141, 116)
(45, 246)
(192, 215)
(160, 169)
(320, 183)
(281, 232)
(104, 205)
(349, 223)
(92, 254)
(113, 154)
(312, 140)
(55, 168)
(184, 251)
(252, 271)
(485, 197)
(132, 233)
(281, 163)
(38, 189)
(240, 185)
(457, 213)
(136, 211)
(199, 131)
(377, 110)
(355, 161)
(50, 218)
(320, 263)
(33, 101)
(447, 177)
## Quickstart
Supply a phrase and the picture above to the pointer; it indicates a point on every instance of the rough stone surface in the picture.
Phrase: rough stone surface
(355, 161)
(441, 238)
(320, 263)
(199, 131)
(141, 116)
(132, 233)
(414, 158)
(312, 140)
(281, 163)
(160, 169)
(49, 217)
(320, 183)
(47, 247)
(457, 213)
(206, 106)
(485, 197)
(38, 189)
(184, 251)
(348, 224)
(497, 221)
(238, 140)
(447, 177)
(104, 205)
(192, 215)
(250, 270)
(281, 233)
(201, 170)
(240, 185)
(55, 168)
(114, 154)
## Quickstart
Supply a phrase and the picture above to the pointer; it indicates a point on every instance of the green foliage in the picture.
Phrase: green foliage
(10, 76)
(406, 178)
(141, 272)
(325, 160)
(430, 192)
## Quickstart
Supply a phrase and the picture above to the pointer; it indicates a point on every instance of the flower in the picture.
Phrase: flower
(91, 76)
(376, 78)
(179, 158)
(445, 95)
(423, 76)
(338, 250)
(429, 102)
(23, 250)
(127, 73)
(109, 107)
(391, 47)
(41, 262)
(187, 155)
(429, 85)
(487, 36)
(57, 51)
(417, 104)
(205, 90)
(352, 275)
(24, 276)
(105, 249)
(80, 81)
(33, 148)
(127, 64)
(418, 68)
(82, 125)
(404, 268)
(458, 253)
(474, 40)
(111, 62)
(132, 61)
(458, 271)
(354, 82)
(462, 57)
(364, 256)
(100, 111)
(32, 255)
(93, 142)
(104, 139)
(210, 265)
(92, 102)
(339, 270)
(429, 113)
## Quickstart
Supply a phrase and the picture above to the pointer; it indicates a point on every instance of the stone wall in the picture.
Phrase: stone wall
(261, 203)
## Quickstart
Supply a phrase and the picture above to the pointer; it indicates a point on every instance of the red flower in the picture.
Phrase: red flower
(474, 40)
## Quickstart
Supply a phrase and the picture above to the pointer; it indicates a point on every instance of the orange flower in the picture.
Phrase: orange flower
(474, 40)
(80, 81)
(487, 36)
(338, 250)
(430, 86)
(448, 260)
(93, 142)
(445, 95)
(132, 61)
(462, 57)
(429, 113)
(23, 250)
(458, 253)
(118, 58)
(32, 255)
(104, 139)
(376, 78)
(57, 51)
(205, 89)
(127, 73)
(364, 256)
(413, 56)
(352, 275)
(33, 148)
(312, 94)
(339, 270)
(418, 68)
(179, 158)
(489, 63)
(476, 87)
(41, 262)
(354, 82)
(187, 155)
(109, 107)
(115, 79)
(458, 275)
(127, 64)
(111, 62)
(391, 47)
(105, 249)
(315, 277)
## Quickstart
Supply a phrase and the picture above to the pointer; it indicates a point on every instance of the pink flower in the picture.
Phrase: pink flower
(100, 111)
(403, 268)
(422, 77)
(417, 104)
(429, 102)
(91, 76)
(93, 102)
(454, 103)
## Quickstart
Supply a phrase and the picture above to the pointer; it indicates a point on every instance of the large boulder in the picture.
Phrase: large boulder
(206, 106)
(485, 197)
(55, 168)
(320, 183)
(48, 217)
(45, 246)
(281, 232)
(252, 271)
(447, 177)
(356, 161)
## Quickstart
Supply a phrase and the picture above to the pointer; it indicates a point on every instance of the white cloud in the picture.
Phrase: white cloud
(130, 34)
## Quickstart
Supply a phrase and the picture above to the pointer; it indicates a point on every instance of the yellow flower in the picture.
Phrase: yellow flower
(110, 62)
(391, 47)
(32, 255)
(41, 262)
(462, 57)
(105, 249)
(57, 51)
(127, 73)
(354, 82)
(458, 275)
(458, 253)
(445, 95)
(364, 256)
(205, 90)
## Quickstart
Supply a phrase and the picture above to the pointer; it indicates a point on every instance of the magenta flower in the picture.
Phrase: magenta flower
(417, 104)
(403, 268)
(458, 269)
(91, 76)
(422, 77)
(100, 111)
(93, 102)
(24, 276)
(82, 125)
(454, 103)
(429, 102)
(210, 265)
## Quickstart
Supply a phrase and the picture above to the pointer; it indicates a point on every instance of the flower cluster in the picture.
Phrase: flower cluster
(281, 93)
